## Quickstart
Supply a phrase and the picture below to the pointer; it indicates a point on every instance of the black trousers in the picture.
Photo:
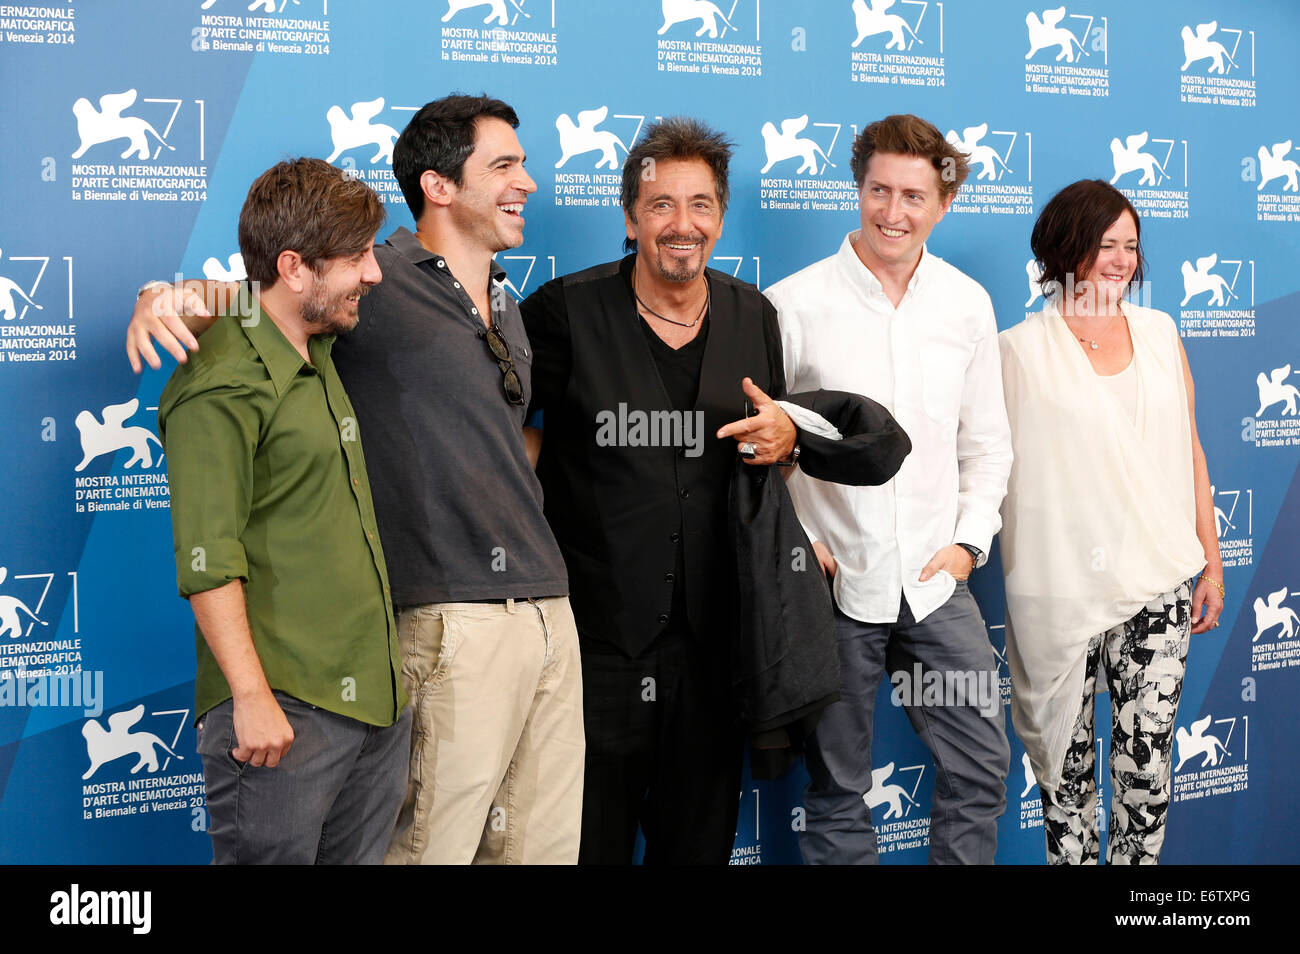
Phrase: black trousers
(663, 751)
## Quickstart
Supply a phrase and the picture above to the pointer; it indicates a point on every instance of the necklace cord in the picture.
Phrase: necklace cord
(708, 295)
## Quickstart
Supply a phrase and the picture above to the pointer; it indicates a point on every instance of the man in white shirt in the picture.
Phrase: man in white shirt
(886, 318)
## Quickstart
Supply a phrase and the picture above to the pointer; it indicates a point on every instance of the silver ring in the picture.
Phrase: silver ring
(748, 449)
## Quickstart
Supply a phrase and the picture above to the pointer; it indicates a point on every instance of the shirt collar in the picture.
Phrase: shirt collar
(281, 359)
(865, 278)
(405, 241)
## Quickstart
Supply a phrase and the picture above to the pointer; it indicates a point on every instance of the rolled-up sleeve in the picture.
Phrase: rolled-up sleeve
(210, 437)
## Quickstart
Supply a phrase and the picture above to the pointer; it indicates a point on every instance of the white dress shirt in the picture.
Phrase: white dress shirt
(933, 362)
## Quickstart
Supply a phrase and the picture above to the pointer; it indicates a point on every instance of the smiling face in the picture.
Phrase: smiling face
(1109, 275)
(899, 203)
(487, 206)
(678, 219)
(330, 305)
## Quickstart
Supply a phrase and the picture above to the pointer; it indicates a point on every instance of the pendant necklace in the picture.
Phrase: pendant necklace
(1092, 342)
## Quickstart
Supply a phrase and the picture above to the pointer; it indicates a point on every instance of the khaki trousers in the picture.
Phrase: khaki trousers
(497, 743)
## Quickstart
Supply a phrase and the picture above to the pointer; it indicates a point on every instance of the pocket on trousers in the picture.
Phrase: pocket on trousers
(428, 644)
(215, 734)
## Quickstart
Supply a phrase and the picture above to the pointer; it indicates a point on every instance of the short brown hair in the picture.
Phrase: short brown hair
(1067, 236)
(908, 135)
(680, 138)
(307, 206)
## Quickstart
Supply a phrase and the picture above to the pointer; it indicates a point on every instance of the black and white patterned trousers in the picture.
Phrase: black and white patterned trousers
(1145, 661)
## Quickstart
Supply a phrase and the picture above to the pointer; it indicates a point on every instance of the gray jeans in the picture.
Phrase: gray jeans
(968, 741)
(332, 800)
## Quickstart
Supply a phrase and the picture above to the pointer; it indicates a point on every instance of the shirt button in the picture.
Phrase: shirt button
(473, 311)
(355, 482)
(668, 578)
(686, 493)
(674, 536)
(370, 535)
(663, 617)
(455, 284)
(441, 264)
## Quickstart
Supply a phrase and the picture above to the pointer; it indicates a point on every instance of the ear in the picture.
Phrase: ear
(629, 225)
(293, 271)
(944, 205)
(438, 190)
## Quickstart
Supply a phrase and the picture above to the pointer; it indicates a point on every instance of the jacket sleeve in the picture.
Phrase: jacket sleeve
(871, 450)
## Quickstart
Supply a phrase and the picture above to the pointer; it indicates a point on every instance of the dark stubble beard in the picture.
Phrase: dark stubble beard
(319, 311)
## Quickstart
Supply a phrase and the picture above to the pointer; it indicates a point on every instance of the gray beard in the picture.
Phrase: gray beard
(679, 272)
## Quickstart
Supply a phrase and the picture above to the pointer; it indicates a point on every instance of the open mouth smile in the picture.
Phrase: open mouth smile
(682, 246)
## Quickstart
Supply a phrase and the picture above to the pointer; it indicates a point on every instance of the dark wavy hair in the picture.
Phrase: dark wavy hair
(1067, 236)
(680, 138)
(441, 137)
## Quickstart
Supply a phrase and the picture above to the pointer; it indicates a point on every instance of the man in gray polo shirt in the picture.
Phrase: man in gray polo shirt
(438, 370)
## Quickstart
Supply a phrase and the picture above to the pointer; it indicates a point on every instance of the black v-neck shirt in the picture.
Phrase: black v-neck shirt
(679, 369)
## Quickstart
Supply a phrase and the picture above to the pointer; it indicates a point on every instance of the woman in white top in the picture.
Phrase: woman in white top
(1109, 547)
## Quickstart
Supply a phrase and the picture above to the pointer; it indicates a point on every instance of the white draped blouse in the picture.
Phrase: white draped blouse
(1100, 512)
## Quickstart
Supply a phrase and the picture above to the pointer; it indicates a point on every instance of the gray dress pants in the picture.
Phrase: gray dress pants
(332, 800)
(968, 741)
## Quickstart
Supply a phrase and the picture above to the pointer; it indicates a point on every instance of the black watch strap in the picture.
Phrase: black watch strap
(976, 554)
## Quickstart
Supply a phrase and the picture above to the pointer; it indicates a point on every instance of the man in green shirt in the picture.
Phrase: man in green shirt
(302, 728)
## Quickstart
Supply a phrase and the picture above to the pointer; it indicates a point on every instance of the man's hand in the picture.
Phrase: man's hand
(824, 558)
(770, 430)
(262, 732)
(159, 315)
(953, 558)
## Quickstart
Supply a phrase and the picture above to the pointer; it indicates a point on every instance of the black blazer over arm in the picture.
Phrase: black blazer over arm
(785, 661)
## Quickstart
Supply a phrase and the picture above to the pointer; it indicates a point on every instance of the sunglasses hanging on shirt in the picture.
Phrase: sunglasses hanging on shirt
(510, 382)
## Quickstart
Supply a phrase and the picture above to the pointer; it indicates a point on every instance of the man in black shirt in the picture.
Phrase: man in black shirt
(638, 368)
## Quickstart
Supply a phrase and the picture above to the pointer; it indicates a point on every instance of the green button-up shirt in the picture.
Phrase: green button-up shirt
(268, 485)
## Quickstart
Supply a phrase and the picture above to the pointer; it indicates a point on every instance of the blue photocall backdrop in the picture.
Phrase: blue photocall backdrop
(133, 129)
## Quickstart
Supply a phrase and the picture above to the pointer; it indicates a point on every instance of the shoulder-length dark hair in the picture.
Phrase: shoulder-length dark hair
(1068, 233)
